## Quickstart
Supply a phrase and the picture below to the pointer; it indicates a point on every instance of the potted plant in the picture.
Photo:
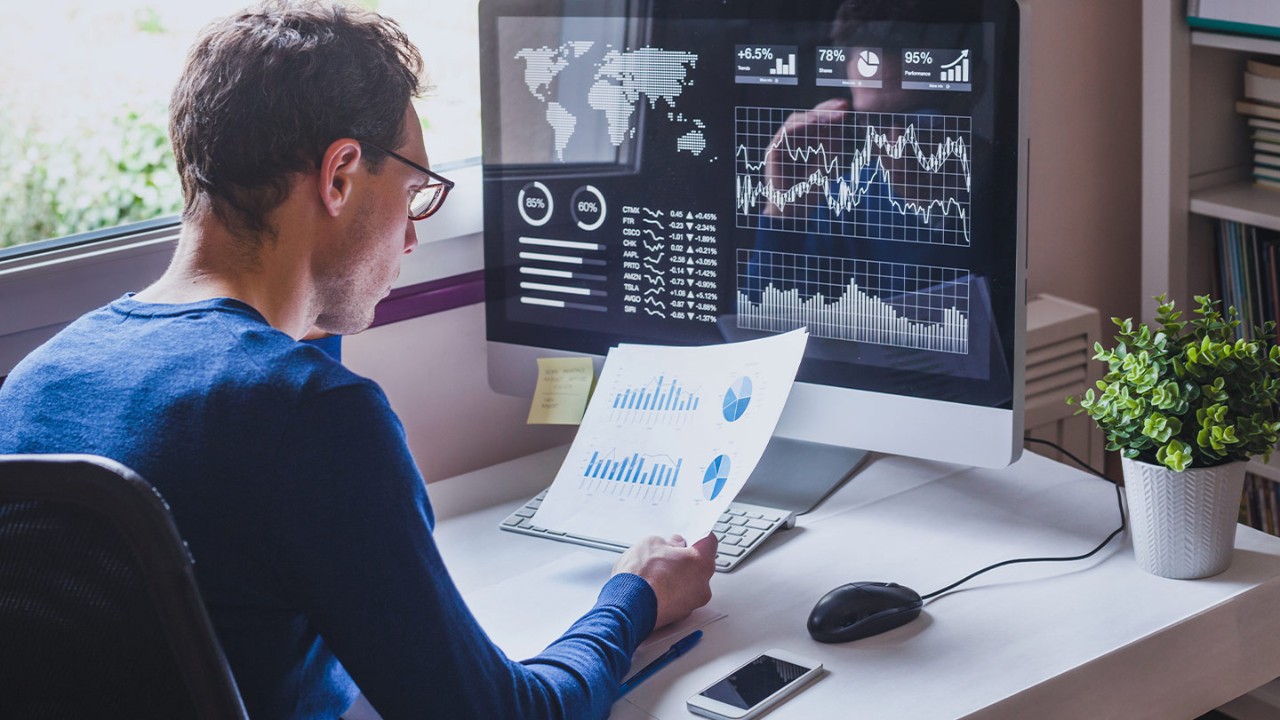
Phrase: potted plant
(1186, 404)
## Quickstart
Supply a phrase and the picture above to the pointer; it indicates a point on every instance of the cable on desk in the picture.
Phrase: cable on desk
(1091, 553)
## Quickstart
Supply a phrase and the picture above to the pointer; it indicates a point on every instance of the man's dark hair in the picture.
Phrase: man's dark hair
(267, 90)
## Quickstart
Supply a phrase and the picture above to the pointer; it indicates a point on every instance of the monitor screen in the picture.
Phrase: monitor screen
(701, 171)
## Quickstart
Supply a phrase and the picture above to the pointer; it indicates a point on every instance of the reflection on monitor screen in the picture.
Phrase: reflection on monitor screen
(699, 171)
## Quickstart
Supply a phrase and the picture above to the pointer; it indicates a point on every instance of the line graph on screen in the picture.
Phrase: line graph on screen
(882, 176)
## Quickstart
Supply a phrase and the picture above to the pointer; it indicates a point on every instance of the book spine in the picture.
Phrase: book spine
(1265, 13)
(1255, 284)
(1273, 282)
(1234, 28)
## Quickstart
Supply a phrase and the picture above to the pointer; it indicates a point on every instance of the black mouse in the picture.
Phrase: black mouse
(862, 609)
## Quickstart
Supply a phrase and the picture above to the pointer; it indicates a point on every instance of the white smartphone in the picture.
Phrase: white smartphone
(756, 687)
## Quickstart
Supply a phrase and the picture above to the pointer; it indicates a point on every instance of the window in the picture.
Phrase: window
(86, 89)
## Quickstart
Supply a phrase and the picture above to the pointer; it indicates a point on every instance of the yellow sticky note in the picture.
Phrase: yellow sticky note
(564, 384)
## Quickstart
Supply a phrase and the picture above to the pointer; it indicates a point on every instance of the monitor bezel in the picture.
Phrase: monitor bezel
(940, 430)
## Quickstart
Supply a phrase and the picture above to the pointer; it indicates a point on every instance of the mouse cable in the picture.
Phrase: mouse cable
(1091, 553)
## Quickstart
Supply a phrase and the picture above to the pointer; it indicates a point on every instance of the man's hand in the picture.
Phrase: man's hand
(679, 575)
(805, 131)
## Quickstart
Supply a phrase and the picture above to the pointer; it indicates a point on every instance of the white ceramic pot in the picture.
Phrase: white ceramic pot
(1183, 523)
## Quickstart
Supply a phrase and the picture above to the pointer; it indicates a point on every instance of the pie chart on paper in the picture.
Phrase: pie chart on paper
(716, 476)
(868, 63)
(737, 399)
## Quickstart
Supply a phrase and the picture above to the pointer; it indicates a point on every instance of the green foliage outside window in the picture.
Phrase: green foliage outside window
(123, 172)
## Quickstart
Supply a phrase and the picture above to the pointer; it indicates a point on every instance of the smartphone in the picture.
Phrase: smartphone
(756, 687)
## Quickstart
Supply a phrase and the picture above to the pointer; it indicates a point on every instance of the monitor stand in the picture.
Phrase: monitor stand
(796, 475)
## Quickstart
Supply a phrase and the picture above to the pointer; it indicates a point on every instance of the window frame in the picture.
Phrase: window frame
(47, 284)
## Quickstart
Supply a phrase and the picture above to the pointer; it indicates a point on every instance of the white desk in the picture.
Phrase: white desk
(1093, 639)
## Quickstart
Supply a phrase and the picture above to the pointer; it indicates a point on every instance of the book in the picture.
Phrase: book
(1261, 87)
(1271, 136)
(1248, 273)
(1257, 109)
(1264, 124)
(1268, 184)
(1266, 173)
(1248, 17)
(1257, 67)
(1267, 160)
(1266, 147)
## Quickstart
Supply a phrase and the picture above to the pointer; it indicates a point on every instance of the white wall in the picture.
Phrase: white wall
(1086, 157)
(433, 370)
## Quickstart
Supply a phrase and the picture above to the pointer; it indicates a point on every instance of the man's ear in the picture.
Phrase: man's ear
(337, 173)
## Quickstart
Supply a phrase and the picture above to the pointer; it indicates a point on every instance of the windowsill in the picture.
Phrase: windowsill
(54, 283)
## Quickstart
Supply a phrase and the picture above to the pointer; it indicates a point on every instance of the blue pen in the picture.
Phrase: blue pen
(681, 647)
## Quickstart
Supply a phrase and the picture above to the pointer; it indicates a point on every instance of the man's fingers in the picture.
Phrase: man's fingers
(707, 545)
(825, 112)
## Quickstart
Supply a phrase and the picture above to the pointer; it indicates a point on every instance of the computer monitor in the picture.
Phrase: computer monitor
(702, 171)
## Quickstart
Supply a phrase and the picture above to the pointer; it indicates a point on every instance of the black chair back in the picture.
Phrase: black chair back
(100, 616)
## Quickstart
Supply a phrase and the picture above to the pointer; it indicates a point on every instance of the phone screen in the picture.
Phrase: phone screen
(755, 681)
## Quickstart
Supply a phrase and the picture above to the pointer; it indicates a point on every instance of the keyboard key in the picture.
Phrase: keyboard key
(739, 530)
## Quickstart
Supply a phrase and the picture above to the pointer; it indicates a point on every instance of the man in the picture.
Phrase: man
(287, 474)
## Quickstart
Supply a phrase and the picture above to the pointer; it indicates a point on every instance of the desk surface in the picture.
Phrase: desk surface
(1098, 638)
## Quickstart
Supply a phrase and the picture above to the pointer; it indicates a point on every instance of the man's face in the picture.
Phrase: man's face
(366, 258)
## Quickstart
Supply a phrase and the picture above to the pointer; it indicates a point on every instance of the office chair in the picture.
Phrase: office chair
(99, 612)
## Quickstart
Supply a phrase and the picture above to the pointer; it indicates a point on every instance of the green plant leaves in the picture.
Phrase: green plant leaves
(1187, 393)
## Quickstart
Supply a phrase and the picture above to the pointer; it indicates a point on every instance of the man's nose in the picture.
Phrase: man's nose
(410, 237)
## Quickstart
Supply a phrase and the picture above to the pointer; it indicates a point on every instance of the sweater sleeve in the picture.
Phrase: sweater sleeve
(355, 552)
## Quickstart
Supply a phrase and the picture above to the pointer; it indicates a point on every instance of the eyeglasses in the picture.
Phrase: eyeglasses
(430, 197)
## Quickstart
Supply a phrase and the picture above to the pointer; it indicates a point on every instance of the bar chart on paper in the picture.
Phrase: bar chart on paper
(662, 399)
(637, 476)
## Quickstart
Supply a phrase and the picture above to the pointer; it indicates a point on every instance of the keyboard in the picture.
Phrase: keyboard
(741, 529)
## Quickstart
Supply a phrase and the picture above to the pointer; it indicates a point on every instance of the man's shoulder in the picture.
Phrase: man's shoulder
(219, 348)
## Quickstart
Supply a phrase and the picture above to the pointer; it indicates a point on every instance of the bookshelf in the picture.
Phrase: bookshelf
(1196, 155)
(1240, 201)
(1195, 150)
(1196, 166)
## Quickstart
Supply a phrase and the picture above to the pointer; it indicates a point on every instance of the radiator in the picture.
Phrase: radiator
(1060, 338)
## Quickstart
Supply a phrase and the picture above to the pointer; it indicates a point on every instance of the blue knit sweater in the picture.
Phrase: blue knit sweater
(290, 479)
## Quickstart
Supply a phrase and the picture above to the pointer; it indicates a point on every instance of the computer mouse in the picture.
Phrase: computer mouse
(862, 609)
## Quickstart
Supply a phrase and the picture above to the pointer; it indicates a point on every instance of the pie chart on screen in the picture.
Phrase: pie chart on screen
(716, 476)
(868, 63)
